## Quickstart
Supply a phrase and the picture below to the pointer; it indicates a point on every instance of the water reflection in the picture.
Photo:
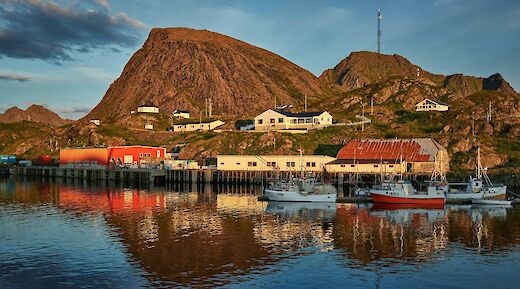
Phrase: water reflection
(205, 236)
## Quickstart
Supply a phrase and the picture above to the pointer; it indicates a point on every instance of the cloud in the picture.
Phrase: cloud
(43, 29)
(8, 76)
(74, 110)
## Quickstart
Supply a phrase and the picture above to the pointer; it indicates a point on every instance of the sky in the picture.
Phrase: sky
(64, 54)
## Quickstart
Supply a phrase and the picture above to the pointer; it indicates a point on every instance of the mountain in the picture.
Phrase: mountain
(178, 68)
(34, 113)
(362, 68)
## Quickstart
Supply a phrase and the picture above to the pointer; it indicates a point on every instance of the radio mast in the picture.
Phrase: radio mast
(379, 18)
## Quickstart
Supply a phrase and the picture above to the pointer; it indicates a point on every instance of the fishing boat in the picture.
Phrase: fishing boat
(304, 188)
(307, 189)
(402, 192)
(479, 187)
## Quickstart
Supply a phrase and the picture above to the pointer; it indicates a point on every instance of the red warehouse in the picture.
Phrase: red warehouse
(119, 155)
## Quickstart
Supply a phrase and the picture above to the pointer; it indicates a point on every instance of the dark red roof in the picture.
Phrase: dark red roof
(407, 150)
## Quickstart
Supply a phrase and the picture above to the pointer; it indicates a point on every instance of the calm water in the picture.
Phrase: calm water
(56, 235)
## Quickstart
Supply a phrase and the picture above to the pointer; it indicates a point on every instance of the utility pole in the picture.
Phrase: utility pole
(379, 18)
(473, 123)
(205, 107)
(372, 105)
(305, 109)
(363, 117)
(210, 108)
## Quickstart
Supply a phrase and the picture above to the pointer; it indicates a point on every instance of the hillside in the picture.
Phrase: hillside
(34, 113)
(178, 68)
(363, 68)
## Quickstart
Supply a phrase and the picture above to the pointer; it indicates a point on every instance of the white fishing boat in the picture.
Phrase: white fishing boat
(479, 187)
(402, 192)
(305, 188)
(301, 190)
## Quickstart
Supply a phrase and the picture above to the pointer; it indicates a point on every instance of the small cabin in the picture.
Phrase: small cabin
(431, 105)
(148, 107)
(148, 126)
(97, 122)
(181, 113)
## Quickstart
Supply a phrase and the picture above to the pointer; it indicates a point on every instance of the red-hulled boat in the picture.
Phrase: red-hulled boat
(401, 192)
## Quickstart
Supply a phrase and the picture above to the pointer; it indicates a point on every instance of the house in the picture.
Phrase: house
(109, 156)
(283, 120)
(390, 156)
(431, 105)
(181, 113)
(148, 126)
(287, 163)
(148, 107)
(97, 122)
(195, 125)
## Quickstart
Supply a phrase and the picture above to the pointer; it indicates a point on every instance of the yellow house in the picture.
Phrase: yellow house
(311, 163)
(148, 107)
(283, 120)
(431, 105)
(197, 126)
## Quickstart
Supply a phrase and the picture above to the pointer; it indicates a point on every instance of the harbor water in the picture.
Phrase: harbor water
(56, 234)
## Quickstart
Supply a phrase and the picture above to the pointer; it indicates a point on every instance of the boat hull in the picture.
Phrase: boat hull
(412, 199)
(291, 196)
(463, 196)
(494, 202)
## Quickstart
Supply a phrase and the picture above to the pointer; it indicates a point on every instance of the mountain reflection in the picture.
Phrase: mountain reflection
(195, 236)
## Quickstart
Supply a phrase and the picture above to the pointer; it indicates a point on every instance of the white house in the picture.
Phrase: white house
(197, 126)
(431, 105)
(181, 113)
(148, 107)
(284, 120)
(286, 163)
(148, 126)
(97, 122)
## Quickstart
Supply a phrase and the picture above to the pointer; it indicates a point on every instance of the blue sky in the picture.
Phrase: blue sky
(64, 54)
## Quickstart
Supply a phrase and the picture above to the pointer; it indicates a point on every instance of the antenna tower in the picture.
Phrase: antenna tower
(379, 18)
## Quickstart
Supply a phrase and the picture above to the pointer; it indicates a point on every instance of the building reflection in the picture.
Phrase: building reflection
(193, 236)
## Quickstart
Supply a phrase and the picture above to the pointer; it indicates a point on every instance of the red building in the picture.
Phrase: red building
(110, 156)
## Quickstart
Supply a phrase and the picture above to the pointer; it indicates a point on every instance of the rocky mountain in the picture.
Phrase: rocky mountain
(362, 68)
(178, 68)
(34, 113)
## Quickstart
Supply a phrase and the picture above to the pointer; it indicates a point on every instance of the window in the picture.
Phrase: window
(238, 164)
(376, 166)
(352, 166)
(294, 121)
(251, 164)
(280, 120)
(141, 155)
(301, 120)
(311, 164)
(221, 164)
(308, 120)
(260, 121)
(391, 166)
(271, 120)
(291, 164)
(271, 164)
(342, 166)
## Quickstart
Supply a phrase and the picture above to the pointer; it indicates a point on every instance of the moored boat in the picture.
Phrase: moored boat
(301, 190)
(402, 192)
(494, 202)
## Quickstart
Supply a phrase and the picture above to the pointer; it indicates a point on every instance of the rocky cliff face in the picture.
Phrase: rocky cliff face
(178, 68)
(34, 113)
(362, 68)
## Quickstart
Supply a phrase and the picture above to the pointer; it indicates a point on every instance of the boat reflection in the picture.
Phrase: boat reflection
(408, 213)
(307, 211)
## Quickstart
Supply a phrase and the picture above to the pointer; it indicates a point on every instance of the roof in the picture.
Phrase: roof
(180, 111)
(148, 103)
(301, 114)
(410, 150)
